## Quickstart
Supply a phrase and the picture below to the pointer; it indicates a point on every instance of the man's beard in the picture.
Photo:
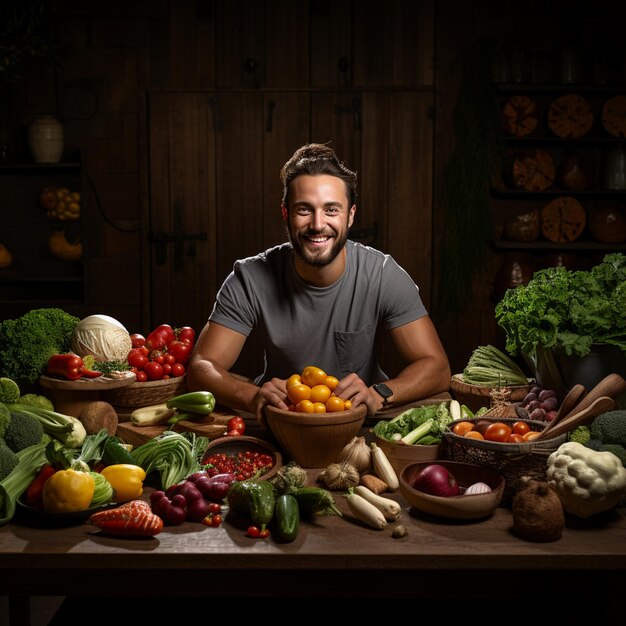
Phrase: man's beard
(317, 260)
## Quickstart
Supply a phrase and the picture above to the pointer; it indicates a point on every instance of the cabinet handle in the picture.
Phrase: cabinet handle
(355, 109)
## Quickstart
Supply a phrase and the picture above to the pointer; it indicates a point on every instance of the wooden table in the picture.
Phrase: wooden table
(332, 557)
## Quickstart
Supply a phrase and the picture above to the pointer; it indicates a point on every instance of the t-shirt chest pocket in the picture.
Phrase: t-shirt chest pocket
(354, 348)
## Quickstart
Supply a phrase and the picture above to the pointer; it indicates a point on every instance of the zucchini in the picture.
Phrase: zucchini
(151, 415)
(286, 517)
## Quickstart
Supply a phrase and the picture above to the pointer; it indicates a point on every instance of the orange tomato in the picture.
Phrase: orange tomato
(296, 393)
(331, 382)
(520, 428)
(320, 393)
(530, 435)
(498, 431)
(473, 434)
(515, 438)
(305, 406)
(319, 407)
(334, 404)
(347, 404)
(312, 375)
(461, 428)
(294, 379)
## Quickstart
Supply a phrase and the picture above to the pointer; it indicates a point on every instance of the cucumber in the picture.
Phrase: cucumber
(286, 517)
(114, 453)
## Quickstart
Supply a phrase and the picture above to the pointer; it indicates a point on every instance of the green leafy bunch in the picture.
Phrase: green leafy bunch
(568, 310)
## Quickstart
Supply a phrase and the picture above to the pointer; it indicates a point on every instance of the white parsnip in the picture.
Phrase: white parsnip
(383, 467)
(389, 508)
(365, 511)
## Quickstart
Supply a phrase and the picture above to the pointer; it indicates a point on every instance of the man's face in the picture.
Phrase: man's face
(318, 218)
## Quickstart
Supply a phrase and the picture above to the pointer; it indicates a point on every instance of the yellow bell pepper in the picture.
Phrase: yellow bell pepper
(126, 480)
(68, 490)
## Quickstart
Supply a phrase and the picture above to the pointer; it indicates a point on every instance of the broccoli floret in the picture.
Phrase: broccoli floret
(580, 434)
(5, 418)
(594, 444)
(28, 342)
(9, 390)
(610, 427)
(618, 450)
(8, 460)
(36, 400)
(23, 431)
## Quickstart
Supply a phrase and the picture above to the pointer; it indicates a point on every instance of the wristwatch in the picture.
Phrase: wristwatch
(384, 391)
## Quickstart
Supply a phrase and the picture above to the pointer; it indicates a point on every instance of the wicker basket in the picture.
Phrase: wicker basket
(475, 397)
(514, 461)
(145, 394)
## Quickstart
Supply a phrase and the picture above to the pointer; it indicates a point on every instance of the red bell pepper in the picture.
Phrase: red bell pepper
(34, 493)
(69, 366)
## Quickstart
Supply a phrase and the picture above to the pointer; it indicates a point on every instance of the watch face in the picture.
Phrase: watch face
(383, 390)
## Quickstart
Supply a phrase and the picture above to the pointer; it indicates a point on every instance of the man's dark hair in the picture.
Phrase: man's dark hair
(314, 159)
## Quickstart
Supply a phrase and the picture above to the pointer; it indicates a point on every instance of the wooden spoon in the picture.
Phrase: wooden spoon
(573, 397)
(571, 421)
(612, 386)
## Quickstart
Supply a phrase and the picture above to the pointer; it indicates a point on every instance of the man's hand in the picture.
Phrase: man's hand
(273, 392)
(354, 389)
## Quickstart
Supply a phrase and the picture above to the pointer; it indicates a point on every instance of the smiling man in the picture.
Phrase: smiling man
(319, 299)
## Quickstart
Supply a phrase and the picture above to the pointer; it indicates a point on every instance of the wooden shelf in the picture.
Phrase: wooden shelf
(573, 246)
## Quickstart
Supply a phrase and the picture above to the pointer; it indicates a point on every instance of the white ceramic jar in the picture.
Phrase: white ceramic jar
(46, 139)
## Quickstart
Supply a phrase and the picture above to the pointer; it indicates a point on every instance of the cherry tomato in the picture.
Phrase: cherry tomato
(215, 507)
(253, 531)
(498, 431)
(180, 350)
(515, 438)
(294, 379)
(462, 428)
(347, 404)
(153, 370)
(264, 533)
(169, 359)
(305, 406)
(216, 520)
(312, 375)
(331, 382)
(186, 334)
(167, 368)
(334, 404)
(520, 428)
(320, 393)
(141, 377)
(178, 369)
(137, 359)
(236, 423)
(319, 407)
(296, 393)
(530, 435)
(473, 434)
(137, 340)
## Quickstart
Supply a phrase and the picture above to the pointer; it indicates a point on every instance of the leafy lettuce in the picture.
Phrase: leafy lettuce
(568, 310)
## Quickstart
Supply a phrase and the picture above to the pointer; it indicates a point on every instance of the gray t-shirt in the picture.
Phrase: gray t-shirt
(332, 327)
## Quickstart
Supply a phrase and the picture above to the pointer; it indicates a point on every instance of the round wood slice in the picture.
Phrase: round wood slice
(519, 116)
(563, 220)
(533, 169)
(570, 116)
(614, 116)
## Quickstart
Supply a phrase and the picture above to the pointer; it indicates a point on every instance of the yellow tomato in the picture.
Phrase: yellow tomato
(312, 375)
(296, 393)
(305, 406)
(319, 407)
(331, 382)
(334, 404)
(320, 393)
(347, 404)
(294, 379)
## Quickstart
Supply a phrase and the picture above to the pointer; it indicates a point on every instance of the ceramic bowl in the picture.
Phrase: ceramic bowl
(314, 439)
(243, 443)
(460, 507)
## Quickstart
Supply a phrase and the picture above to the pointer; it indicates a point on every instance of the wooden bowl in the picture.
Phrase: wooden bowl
(243, 443)
(401, 454)
(474, 506)
(314, 439)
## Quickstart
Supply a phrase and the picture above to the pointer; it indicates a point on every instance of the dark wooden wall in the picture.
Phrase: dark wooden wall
(124, 57)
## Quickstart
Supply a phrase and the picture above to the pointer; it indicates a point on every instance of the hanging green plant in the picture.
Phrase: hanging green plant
(477, 157)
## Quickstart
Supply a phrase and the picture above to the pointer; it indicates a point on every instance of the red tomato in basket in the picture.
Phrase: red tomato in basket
(498, 431)
(180, 350)
(153, 370)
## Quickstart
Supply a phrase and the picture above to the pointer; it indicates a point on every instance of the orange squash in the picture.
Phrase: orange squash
(614, 116)
(570, 116)
(533, 169)
(519, 116)
(563, 220)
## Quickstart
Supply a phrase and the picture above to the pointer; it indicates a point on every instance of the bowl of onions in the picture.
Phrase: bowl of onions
(452, 489)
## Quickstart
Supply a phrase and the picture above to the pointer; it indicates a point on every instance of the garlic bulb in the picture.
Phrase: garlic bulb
(340, 476)
(357, 453)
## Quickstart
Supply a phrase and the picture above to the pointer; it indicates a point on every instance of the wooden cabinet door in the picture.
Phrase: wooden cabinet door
(180, 258)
